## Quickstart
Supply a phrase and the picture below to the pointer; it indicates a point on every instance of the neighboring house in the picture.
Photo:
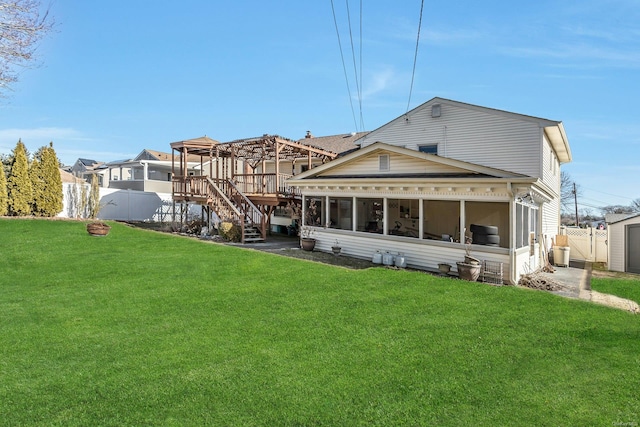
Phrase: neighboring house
(149, 171)
(85, 168)
(423, 182)
(624, 244)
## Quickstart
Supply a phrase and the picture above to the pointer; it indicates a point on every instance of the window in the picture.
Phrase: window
(403, 217)
(314, 212)
(441, 219)
(370, 215)
(526, 224)
(429, 149)
(489, 213)
(384, 162)
(341, 213)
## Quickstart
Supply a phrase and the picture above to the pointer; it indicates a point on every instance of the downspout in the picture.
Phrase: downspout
(512, 236)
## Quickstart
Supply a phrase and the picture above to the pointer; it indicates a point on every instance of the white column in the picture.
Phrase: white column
(463, 225)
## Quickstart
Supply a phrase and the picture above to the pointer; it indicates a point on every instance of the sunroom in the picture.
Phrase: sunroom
(431, 217)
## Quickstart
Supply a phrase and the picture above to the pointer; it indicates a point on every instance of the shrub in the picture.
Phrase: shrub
(4, 197)
(19, 188)
(229, 231)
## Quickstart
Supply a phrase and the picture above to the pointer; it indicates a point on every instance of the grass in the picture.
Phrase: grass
(143, 328)
(628, 287)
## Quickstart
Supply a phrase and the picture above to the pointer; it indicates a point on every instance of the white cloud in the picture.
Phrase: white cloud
(378, 82)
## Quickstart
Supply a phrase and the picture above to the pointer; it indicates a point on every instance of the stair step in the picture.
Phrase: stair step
(253, 239)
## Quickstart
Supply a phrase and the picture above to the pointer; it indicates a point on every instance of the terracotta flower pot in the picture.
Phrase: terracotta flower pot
(307, 244)
(98, 228)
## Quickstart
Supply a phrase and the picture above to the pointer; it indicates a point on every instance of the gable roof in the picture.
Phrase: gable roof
(553, 129)
(625, 218)
(147, 154)
(341, 144)
(87, 162)
(455, 168)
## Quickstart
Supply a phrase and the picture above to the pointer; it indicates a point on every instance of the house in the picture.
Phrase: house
(149, 171)
(624, 244)
(85, 168)
(443, 174)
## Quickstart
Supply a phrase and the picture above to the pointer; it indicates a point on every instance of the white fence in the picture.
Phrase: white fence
(121, 205)
(587, 244)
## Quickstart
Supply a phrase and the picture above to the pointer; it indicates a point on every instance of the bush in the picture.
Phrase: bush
(229, 231)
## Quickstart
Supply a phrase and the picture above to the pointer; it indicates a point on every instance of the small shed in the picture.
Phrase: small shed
(624, 245)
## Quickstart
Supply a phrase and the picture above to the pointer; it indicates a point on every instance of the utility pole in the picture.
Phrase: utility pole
(575, 198)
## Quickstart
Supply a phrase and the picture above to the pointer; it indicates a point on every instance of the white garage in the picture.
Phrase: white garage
(624, 245)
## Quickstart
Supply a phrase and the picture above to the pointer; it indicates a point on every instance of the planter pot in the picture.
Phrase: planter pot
(444, 268)
(336, 250)
(471, 260)
(98, 228)
(469, 272)
(307, 244)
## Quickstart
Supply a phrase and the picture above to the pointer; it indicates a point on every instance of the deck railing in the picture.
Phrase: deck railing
(224, 197)
(190, 186)
(264, 183)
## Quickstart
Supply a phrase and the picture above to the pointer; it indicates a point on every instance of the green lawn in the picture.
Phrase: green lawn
(142, 328)
(627, 287)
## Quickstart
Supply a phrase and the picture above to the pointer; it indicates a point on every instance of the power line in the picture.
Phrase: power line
(344, 67)
(361, 81)
(353, 56)
(415, 57)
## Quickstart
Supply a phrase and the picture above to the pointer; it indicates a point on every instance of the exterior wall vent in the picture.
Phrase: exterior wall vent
(436, 110)
(384, 162)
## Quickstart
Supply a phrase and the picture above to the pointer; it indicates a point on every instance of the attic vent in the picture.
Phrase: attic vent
(384, 162)
(435, 110)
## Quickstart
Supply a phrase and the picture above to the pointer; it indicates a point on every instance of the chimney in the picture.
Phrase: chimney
(308, 135)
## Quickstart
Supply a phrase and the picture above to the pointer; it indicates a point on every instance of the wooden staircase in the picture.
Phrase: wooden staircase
(231, 205)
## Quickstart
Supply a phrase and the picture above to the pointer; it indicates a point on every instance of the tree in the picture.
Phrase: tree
(617, 209)
(37, 184)
(19, 187)
(4, 198)
(94, 197)
(567, 194)
(22, 26)
(46, 181)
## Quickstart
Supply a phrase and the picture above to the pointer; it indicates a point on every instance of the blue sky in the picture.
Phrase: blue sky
(120, 76)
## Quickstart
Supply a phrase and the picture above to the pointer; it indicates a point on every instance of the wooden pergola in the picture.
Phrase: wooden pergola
(232, 176)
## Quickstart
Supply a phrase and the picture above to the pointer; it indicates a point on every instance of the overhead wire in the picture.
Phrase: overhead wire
(415, 56)
(361, 81)
(344, 67)
(353, 56)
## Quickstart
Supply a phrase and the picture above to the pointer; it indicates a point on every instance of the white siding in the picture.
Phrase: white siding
(616, 247)
(399, 164)
(617, 243)
(485, 137)
(420, 254)
(550, 167)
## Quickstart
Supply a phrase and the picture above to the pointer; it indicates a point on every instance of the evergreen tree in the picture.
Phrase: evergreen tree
(37, 184)
(19, 187)
(47, 183)
(4, 198)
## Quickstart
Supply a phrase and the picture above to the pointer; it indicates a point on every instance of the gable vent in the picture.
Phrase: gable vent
(383, 160)
(436, 110)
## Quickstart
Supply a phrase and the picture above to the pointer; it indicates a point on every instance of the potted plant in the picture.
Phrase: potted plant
(444, 268)
(336, 248)
(307, 242)
(469, 269)
(95, 228)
